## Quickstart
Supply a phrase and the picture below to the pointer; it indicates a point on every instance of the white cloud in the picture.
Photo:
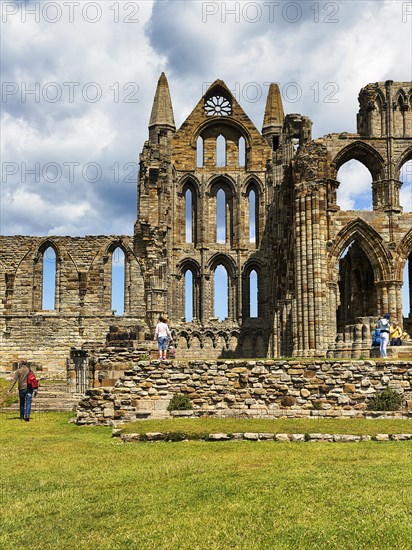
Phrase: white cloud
(125, 60)
(355, 187)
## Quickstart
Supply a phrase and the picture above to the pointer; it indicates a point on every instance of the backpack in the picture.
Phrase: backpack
(376, 337)
(32, 382)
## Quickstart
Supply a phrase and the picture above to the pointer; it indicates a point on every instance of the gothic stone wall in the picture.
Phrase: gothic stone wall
(82, 298)
(255, 388)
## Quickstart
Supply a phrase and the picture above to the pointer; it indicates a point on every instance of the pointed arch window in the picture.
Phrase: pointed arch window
(221, 151)
(242, 151)
(189, 296)
(221, 210)
(253, 294)
(221, 293)
(118, 281)
(253, 205)
(221, 216)
(355, 187)
(189, 207)
(199, 152)
(49, 272)
(189, 215)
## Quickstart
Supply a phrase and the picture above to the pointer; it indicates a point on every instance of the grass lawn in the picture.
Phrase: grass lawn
(65, 487)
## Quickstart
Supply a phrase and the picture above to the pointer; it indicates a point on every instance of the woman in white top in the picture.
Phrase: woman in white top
(162, 334)
(384, 327)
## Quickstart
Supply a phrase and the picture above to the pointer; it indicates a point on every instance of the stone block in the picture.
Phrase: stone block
(346, 438)
(218, 437)
(288, 401)
(282, 437)
(381, 437)
(266, 435)
(251, 436)
(297, 437)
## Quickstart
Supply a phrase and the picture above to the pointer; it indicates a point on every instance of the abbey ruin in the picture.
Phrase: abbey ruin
(323, 275)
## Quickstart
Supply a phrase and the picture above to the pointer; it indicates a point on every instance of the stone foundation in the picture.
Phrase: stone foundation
(247, 388)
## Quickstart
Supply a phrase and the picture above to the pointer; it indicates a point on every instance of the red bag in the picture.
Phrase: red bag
(32, 382)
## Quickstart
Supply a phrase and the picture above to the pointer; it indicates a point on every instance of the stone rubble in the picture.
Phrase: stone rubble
(254, 436)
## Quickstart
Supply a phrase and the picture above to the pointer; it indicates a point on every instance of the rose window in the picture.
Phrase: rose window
(218, 106)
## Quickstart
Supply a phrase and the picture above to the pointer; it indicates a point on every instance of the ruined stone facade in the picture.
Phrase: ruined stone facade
(323, 275)
(265, 388)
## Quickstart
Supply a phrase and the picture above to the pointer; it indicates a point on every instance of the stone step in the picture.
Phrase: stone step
(46, 394)
(48, 407)
(47, 400)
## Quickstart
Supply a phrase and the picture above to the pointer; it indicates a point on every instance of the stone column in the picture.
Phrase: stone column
(332, 308)
(383, 299)
(300, 237)
(311, 292)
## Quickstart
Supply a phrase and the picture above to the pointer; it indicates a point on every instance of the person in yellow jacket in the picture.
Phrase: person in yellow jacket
(395, 333)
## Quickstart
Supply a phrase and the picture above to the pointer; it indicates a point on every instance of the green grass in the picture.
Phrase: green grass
(201, 426)
(67, 487)
(7, 399)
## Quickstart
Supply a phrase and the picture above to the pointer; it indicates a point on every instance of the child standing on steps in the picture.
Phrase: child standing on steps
(163, 335)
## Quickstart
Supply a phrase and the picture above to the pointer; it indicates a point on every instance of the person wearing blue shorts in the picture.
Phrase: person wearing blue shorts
(162, 334)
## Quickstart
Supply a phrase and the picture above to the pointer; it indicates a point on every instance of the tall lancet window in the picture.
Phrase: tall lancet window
(221, 293)
(49, 279)
(221, 216)
(221, 151)
(199, 152)
(253, 294)
(252, 216)
(118, 280)
(242, 151)
(189, 215)
(189, 296)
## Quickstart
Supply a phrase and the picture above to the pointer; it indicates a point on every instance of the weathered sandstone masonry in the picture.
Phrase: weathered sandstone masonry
(252, 388)
(218, 197)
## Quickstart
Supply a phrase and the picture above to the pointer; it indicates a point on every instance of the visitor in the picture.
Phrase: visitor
(25, 393)
(163, 335)
(384, 326)
(395, 334)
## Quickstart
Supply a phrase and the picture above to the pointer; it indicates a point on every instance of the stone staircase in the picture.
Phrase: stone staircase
(52, 396)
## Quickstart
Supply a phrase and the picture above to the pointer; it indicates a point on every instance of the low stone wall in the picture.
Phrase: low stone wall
(252, 388)
(256, 436)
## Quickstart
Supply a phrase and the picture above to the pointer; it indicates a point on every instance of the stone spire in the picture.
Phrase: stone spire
(162, 110)
(274, 115)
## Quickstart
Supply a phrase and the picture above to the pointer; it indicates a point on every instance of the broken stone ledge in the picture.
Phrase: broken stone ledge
(256, 436)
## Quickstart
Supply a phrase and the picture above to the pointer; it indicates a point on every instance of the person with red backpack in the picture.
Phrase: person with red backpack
(27, 385)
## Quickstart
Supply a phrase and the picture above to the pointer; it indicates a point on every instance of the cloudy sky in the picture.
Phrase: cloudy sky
(79, 78)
